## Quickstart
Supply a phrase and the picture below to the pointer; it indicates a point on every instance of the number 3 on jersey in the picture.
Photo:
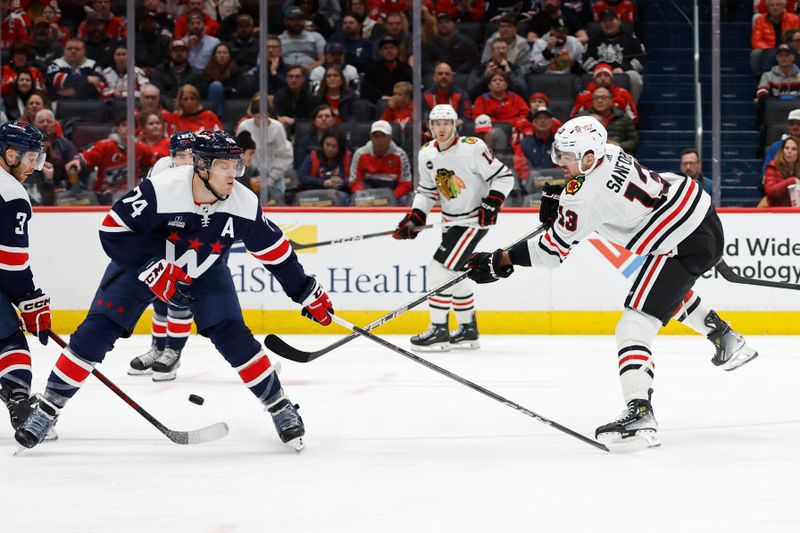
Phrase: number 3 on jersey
(138, 204)
(567, 219)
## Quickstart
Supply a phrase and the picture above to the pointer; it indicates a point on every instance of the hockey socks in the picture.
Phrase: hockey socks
(260, 377)
(179, 326)
(15, 364)
(159, 330)
(635, 333)
(68, 375)
(693, 313)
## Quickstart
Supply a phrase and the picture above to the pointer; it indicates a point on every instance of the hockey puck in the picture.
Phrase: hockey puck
(194, 398)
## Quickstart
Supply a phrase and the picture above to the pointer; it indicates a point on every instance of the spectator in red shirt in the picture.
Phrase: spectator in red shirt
(14, 27)
(604, 77)
(20, 54)
(499, 103)
(381, 164)
(401, 106)
(182, 23)
(152, 134)
(782, 172)
(189, 114)
(764, 37)
(115, 26)
(444, 92)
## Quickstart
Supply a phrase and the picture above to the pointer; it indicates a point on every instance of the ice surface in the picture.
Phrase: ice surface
(394, 447)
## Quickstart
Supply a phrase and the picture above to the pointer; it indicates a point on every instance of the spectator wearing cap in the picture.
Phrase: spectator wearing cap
(99, 46)
(328, 167)
(300, 46)
(444, 92)
(622, 51)
(117, 75)
(295, 101)
(58, 32)
(767, 30)
(604, 77)
(380, 78)
(519, 49)
(335, 57)
(550, 13)
(19, 55)
(381, 164)
(358, 50)
(536, 147)
(620, 127)
(189, 114)
(792, 130)
(396, 27)
(501, 104)
(222, 78)
(478, 82)
(176, 72)
(244, 43)
(524, 127)
(201, 45)
(152, 45)
(44, 45)
(400, 110)
(449, 45)
(556, 52)
(334, 91)
(210, 24)
(483, 127)
(782, 80)
(472, 11)
(625, 9)
(114, 25)
(74, 75)
(692, 167)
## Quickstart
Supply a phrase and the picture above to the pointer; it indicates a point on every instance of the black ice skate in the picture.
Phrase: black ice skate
(288, 423)
(166, 367)
(465, 337)
(435, 339)
(732, 350)
(18, 404)
(39, 425)
(143, 364)
(635, 421)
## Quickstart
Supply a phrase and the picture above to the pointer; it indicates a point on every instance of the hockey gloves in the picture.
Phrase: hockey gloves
(484, 267)
(34, 311)
(315, 301)
(490, 207)
(168, 282)
(548, 211)
(407, 227)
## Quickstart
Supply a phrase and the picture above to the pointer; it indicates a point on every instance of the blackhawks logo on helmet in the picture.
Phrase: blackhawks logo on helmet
(448, 183)
(574, 185)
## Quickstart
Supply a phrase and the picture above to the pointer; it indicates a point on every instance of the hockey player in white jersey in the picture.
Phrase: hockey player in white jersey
(470, 185)
(668, 219)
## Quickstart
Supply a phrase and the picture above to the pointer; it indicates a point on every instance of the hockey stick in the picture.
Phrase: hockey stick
(354, 238)
(629, 446)
(197, 436)
(728, 274)
(282, 348)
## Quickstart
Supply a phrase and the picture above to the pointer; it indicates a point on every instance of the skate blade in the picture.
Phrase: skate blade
(625, 446)
(134, 372)
(741, 362)
(465, 345)
(164, 376)
(438, 347)
(297, 444)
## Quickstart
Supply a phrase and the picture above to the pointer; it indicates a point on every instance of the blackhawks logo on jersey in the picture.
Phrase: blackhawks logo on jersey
(448, 183)
(574, 185)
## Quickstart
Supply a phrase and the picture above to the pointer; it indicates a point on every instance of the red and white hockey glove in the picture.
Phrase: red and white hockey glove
(484, 267)
(34, 311)
(168, 282)
(490, 207)
(315, 301)
(407, 229)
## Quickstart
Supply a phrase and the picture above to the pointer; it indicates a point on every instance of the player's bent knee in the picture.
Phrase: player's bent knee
(636, 326)
(234, 340)
(16, 341)
(439, 273)
(95, 337)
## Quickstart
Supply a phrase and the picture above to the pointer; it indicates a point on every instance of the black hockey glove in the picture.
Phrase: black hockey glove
(484, 267)
(490, 207)
(548, 211)
(407, 227)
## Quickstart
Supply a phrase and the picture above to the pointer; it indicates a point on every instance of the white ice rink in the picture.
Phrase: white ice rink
(395, 447)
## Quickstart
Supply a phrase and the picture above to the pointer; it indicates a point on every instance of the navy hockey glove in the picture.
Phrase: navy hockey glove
(548, 211)
(490, 207)
(315, 301)
(407, 227)
(168, 282)
(34, 310)
(484, 267)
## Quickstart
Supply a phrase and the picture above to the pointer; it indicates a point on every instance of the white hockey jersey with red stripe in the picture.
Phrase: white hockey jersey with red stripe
(626, 203)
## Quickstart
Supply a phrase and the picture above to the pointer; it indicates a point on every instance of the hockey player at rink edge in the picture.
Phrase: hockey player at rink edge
(470, 185)
(21, 152)
(182, 265)
(668, 219)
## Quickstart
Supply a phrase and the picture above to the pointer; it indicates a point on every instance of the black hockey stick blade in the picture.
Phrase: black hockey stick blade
(196, 436)
(354, 238)
(729, 274)
(277, 345)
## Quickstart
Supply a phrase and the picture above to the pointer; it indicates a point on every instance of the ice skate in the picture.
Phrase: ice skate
(732, 350)
(18, 404)
(288, 423)
(143, 364)
(38, 426)
(465, 337)
(637, 421)
(166, 367)
(435, 339)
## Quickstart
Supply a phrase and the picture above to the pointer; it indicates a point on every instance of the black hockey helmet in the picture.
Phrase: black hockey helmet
(181, 141)
(211, 145)
(23, 138)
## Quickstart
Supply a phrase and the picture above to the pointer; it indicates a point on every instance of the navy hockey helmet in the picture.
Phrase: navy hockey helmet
(24, 138)
(181, 141)
(211, 145)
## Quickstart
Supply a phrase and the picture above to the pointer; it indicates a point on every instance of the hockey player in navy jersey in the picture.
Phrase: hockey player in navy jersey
(171, 325)
(166, 239)
(667, 218)
(21, 152)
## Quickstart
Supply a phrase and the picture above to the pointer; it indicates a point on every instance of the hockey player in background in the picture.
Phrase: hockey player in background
(170, 325)
(167, 239)
(470, 185)
(667, 218)
(21, 152)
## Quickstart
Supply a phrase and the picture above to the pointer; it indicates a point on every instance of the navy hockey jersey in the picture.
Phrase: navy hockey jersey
(16, 278)
(159, 219)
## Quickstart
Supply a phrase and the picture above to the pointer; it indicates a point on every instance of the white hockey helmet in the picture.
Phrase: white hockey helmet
(443, 112)
(580, 136)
